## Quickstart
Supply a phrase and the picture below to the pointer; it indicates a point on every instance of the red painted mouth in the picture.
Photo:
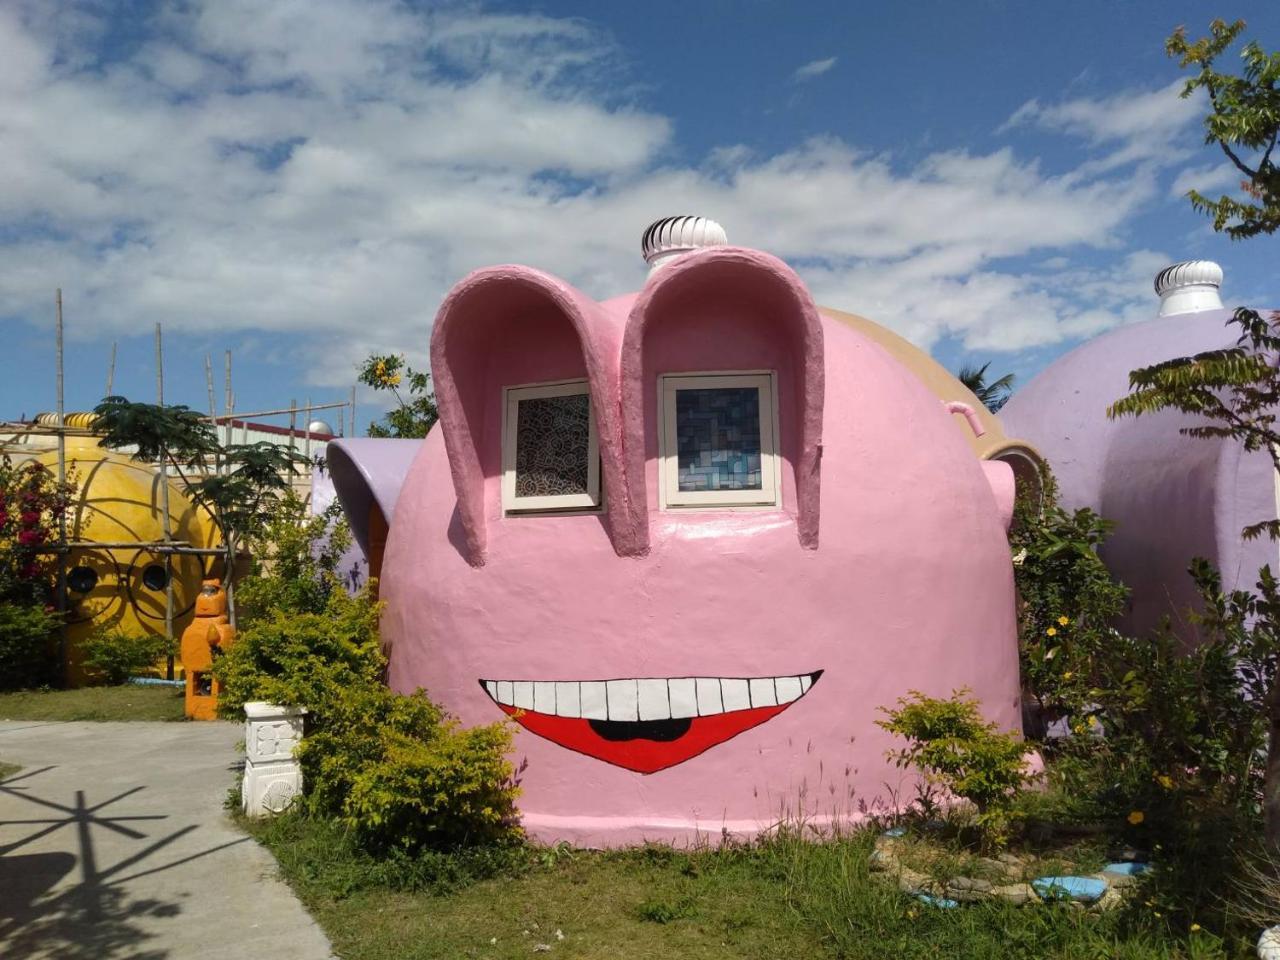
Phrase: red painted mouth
(649, 724)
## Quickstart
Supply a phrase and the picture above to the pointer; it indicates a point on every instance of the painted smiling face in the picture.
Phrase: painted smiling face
(690, 541)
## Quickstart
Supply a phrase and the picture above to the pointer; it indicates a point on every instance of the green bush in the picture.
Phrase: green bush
(112, 658)
(295, 560)
(1068, 601)
(396, 770)
(950, 743)
(27, 635)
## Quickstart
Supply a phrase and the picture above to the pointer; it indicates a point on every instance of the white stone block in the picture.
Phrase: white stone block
(270, 789)
(272, 777)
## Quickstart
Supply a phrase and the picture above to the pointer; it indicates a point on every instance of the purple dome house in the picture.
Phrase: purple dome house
(1172, 497)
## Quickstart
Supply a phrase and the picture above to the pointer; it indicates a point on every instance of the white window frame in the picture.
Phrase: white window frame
(670, 495)
(510, 430)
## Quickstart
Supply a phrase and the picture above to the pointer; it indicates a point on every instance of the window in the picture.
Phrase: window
(718, 440)
(550, 459)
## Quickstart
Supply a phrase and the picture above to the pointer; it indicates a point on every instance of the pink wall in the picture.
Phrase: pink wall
(903, 580)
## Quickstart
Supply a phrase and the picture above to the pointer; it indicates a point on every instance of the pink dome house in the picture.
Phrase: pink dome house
(1172, 497)
(690, 540)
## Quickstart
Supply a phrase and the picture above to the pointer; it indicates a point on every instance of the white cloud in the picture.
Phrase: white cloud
(326, 170)
(814, 68)
(1134, 125)
(1209, 180)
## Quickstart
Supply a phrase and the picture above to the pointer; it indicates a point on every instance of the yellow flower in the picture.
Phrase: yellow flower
(1165, 781)
(1063, 621)
(1136, 817)
(1068, 675)
(1195, 927)
(393, 380)
(1052, 631)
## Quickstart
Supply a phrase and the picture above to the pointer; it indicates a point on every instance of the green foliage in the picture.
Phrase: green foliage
(1067, 599)
(295, 559)
(395, 770)
(411, 418)
(1244, 122)
(158, 431)
(993, 395)
(431, 783)
(950, 743)
(303, 658)
(115, 657)
(240, 483)
(27, 635)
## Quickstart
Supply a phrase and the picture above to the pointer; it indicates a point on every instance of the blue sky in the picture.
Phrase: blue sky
(301, 182)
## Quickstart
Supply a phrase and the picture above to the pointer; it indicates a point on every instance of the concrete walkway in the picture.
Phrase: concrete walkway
(114, 843)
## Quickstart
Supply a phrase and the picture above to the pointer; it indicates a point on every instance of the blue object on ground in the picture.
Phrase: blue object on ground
(896, 832)
(932, 901)
(1127, 868)
(155, 682)
(1086, 889)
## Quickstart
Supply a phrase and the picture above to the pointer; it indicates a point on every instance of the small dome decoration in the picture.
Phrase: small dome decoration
(1189, 287)
(671, 236)
(320, 426)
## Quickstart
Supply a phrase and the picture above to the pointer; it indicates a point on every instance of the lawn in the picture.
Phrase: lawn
(781, 898)
(94, 703)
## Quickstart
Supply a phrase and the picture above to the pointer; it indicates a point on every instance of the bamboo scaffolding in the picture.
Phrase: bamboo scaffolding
(62, 480)
(163, 470)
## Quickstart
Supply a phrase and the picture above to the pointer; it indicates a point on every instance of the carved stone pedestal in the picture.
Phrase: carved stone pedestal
(272, 777)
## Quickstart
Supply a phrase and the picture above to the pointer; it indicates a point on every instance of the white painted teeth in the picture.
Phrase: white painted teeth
(648, 699)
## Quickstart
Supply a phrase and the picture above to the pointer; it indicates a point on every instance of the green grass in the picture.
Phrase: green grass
(94, 703)
(8, 769)
(780, 898)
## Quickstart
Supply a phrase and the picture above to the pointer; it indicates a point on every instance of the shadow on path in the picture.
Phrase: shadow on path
(96, 917)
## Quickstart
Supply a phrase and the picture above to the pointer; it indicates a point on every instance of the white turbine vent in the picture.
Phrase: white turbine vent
(1189, 287)
(670, 237)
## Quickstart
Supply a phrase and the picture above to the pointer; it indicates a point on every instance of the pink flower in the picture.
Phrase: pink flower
(29, 538)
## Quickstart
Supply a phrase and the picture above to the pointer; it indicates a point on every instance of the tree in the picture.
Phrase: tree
(1244, 122)
(239, 484)
(1235, 391)
(411, 418)
(993, 395)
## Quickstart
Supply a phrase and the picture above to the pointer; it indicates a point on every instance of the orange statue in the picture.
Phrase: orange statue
(210, 633)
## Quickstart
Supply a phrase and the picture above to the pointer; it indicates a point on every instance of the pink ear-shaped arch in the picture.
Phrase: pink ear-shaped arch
(467, 330)
(773, 286)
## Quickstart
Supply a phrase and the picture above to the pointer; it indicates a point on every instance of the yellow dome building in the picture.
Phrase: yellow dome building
(118, 501)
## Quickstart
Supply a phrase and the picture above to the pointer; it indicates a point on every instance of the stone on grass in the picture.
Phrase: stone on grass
(1269, 944)
(968, 889)
(1082, 889)
(1016, 893)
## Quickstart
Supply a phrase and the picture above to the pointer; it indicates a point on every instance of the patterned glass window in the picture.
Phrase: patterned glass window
(552, 445)
(550, 458)
(718, 440)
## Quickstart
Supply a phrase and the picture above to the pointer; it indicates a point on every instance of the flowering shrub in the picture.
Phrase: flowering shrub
(31, 502)
(412, 417)
(1067, 602)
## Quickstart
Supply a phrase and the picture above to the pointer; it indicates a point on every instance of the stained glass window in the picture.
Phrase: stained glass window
(718, 444)
(553, 446)
(718, 439)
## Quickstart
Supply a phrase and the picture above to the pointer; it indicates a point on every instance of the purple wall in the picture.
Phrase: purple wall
(1173, 497)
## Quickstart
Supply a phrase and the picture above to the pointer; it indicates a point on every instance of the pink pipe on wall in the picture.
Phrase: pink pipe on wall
(956, 406)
